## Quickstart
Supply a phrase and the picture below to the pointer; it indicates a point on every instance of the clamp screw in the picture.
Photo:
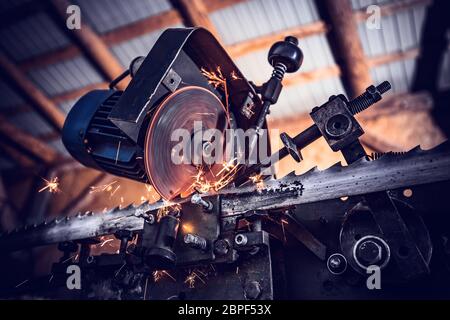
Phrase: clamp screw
(368, 98)
(195, 241)
(197, 199)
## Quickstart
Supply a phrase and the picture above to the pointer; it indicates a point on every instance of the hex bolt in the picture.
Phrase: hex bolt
(337, 264)
(197, 199)
(221, 247)
(369, 252)
(195, 241)
(252, 290)
(240, 239)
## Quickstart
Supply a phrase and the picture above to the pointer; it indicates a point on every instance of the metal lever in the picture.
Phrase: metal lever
(284, 56)
(290, 146)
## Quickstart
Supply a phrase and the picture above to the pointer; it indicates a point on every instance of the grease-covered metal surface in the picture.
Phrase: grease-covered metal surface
(416, 167)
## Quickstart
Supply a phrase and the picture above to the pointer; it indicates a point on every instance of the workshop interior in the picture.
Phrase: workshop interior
(327, 121)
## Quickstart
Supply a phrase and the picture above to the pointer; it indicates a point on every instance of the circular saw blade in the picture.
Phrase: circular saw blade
(181, 110)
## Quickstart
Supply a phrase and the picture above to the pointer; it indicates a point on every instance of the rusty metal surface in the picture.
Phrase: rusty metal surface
(416, 167)
(388, 172)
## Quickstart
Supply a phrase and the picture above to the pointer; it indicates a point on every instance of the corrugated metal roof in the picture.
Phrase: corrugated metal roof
(295, 100)
(59, 146)
(107, 15)
(31, 122)
(398, 33)
(139, 46)
(67, 105)
(9, 97)
(65, 76)
(255, 18)
(32, 36)
(240, 22)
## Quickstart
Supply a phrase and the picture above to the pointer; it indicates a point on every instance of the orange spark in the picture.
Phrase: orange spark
(52, 186)
(283, 221)
(105, 242)
(258, 181)
(216, 79)
(191, 278)
(159, 274)
(202, 185)
(110, 188)
(168, 208)
(234, 76)
(115, 190)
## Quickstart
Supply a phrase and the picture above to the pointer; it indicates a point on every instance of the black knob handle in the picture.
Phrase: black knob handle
(287, 53)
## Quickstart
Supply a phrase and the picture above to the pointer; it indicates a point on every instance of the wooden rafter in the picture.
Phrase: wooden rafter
(141, 27)
(402, 102)
(391, 8)
(311, 76)
(195, 14)
(77, 93)
(23, 160)
(335, 71)
(172, 17)
(27, 142)
(346, 45)
(393, 57)
(236, 50)
(124, 33)
(42, 103)
(214, 5)
(90, 43)
(290, 80)
(252, 45)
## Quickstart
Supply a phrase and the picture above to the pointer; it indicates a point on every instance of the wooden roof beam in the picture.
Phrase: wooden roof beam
(195, 14)
(242, 48)
(391, 8)
(171, 17)
(214, 5)
(346, 44)
(295, 79)
(39, 100)
(90, 43)
(28, 143)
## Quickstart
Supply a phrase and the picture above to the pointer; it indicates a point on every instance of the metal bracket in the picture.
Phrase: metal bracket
(336, 123)
(172, 80)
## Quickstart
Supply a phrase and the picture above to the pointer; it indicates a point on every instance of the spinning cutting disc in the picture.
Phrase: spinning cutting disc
(181, 110)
